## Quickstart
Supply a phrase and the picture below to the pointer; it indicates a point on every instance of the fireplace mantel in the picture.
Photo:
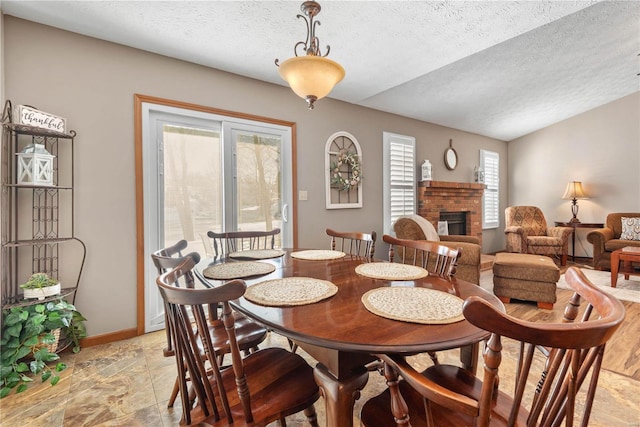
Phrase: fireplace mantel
(437, 196)
(451, 185)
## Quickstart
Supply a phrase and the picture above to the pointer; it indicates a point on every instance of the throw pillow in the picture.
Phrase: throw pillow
(630, 228)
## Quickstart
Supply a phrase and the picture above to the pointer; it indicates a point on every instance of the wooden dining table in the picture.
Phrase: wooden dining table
(342, 335)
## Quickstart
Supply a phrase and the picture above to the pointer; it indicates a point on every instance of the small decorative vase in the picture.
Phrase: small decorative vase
(42, 293)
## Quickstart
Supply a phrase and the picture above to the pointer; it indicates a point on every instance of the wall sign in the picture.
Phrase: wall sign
(31, 117)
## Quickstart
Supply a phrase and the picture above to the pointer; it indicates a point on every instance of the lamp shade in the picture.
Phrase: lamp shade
(311, 76)
(574, 191)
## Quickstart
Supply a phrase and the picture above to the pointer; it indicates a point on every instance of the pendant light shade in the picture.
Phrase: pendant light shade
(312, 75)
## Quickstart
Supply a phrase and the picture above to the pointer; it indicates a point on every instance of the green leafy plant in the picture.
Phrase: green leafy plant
(39, 281)
(26, 334)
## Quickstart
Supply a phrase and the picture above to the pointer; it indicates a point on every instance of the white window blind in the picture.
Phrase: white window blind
(399, 175)
(490, 163)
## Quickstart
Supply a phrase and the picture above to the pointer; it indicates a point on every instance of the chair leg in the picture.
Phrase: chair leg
(174, 393)
(376, 365)
(312, 418)
(563, 261)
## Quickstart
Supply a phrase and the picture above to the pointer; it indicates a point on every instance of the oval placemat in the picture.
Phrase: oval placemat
(237, 270)
(317, 255)
(290, 291)
(391, 271)
(257, 254)
(416, 305)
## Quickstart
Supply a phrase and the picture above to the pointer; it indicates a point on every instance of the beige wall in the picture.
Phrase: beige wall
(92, 83)
(601, 148)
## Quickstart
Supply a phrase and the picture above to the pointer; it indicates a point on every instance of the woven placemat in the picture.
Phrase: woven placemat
(257, 254)
(391, 271)
(317, 254)
(290, 291)
(416, 305)
(237, 270)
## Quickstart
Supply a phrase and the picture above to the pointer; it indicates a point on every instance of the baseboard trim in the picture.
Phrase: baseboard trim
(110, 337)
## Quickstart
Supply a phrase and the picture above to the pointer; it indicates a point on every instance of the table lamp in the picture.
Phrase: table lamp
(574, 192)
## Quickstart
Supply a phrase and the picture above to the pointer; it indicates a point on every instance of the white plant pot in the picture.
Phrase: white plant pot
(42, 293)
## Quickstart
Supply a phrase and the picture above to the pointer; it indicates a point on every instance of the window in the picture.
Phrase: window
(399, 177)
(490, 163)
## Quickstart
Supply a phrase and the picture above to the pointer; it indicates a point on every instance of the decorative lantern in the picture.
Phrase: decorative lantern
(478, 175)
(426, 171)
(35, 166)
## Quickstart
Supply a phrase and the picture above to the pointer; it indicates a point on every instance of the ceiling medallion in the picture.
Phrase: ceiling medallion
(313, 75)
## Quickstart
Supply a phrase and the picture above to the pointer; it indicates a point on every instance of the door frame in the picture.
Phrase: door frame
(139, 176)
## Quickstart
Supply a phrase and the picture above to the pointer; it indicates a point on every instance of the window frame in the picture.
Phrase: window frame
(490, 164)
(388, 140)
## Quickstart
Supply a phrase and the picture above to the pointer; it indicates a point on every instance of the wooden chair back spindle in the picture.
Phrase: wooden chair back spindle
(232, 241)
(437, 259)
(353, 243)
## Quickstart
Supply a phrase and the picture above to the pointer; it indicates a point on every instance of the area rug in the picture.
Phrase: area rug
(626, 290)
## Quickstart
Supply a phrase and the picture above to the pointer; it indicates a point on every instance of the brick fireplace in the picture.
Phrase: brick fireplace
(435, 197)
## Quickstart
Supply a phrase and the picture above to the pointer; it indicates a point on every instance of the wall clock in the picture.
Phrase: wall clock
(450, 157)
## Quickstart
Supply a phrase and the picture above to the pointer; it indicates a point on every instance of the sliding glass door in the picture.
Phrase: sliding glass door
(204, 172)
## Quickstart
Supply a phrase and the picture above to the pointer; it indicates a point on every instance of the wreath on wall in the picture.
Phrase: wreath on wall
(349, 179)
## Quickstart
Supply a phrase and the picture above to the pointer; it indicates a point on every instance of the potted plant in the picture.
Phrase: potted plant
(30, 339)
(40, 286)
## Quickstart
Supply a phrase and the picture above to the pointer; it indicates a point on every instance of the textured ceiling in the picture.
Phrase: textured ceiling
(496, 68)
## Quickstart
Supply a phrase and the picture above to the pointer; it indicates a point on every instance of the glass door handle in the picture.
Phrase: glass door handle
(285, 212)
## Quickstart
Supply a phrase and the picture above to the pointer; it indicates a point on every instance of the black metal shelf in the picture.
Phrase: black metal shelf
(37, 220)
(35, 131)
(31, 242)
(19, 301)
(40, 187)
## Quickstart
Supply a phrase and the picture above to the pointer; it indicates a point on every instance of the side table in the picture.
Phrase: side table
(575, 225)
(627, 255)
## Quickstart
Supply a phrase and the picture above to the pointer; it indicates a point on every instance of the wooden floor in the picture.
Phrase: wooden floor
(127, 383)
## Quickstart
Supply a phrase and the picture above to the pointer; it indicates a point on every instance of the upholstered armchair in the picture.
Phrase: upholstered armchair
(527, 233)
(608, 239)
(415, 227)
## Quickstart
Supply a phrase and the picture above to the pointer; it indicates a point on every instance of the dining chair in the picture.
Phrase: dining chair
(265, 386)
(556, 362)
(232, 241)
(353, 242)
(249, 334)
(437, 259)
